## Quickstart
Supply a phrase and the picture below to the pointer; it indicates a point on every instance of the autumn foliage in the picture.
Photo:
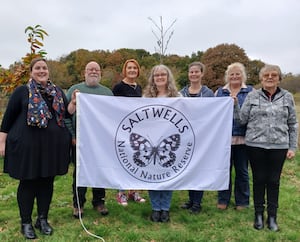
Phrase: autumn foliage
(69, 69)
(19, 74)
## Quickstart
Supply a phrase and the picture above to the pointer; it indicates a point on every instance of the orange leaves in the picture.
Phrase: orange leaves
(19, 74)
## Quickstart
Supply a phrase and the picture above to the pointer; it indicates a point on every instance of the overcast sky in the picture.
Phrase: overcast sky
(268, 30)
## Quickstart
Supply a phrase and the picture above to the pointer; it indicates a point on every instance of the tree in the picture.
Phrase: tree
(253, 69)
(59, 73)
(196, 56)
(291, 83)
(20, 72)
(217, 59)
(161, 36)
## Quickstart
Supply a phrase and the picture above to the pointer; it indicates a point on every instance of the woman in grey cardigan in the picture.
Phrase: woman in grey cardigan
(271, 137)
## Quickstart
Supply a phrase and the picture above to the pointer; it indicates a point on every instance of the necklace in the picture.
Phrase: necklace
(132, 86)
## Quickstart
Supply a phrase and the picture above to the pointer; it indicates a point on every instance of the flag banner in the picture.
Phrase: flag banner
(153, 143)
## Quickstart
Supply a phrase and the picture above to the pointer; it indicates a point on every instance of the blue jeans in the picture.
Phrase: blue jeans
(195, 197)
(239, 160)
(160, 200)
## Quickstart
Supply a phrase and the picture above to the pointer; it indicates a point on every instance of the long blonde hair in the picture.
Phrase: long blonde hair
(151, 89)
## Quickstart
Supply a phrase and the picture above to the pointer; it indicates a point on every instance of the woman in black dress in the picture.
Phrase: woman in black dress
(128, 87)
(36, 144)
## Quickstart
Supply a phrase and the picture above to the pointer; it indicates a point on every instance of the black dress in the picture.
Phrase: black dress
(33, 152)
(126, 90)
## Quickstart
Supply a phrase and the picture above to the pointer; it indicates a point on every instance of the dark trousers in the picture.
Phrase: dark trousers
(195, 197)
(266, 165)
(98, 193)
(28, 190)
(238, 160)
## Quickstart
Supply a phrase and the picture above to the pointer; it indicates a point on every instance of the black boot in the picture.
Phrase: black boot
(187, 205)
(272, 224)
(165, 216)
(155, 216)
(259, 221)
(43, 225)
(195, 209)
(28, 231)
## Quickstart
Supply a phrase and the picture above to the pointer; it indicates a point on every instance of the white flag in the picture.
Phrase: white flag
(153, 143)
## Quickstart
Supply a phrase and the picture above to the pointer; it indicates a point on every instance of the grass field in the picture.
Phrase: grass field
(132, 223)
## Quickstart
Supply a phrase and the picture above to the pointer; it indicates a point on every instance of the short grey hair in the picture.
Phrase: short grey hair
(267, 68)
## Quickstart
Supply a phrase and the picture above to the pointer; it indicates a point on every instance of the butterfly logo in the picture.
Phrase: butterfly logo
(163, 153)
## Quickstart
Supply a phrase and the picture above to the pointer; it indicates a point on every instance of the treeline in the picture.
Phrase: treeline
(69, 69)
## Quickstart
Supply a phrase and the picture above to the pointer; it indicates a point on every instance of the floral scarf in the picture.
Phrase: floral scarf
(38, 112)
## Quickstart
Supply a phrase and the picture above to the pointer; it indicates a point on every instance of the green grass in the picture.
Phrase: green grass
(132, 223)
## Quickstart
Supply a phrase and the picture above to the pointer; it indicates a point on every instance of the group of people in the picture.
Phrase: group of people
(38, 131)
(235, 79)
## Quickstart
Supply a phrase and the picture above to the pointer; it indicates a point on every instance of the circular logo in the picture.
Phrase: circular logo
(154, 143)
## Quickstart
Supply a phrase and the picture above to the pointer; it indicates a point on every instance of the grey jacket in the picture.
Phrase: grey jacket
(270, 124)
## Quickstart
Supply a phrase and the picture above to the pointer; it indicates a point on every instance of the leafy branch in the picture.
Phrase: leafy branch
(35, 37)
(19, 74)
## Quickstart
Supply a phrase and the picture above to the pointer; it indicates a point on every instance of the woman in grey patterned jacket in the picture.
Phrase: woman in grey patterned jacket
(271, 137)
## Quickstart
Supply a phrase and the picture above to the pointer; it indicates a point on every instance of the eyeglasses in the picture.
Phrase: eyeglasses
(93, 69)
(161, 74)
(268, 75)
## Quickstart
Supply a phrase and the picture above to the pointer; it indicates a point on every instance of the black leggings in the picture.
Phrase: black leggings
(266, 165)
(28, 190)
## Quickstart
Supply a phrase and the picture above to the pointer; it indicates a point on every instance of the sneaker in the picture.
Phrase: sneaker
(122, 199)
(77, 212)
(135, 196)
(240, 208)
(101, 209)
(222, 206)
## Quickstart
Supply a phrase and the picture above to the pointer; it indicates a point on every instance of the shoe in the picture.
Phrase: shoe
(258, 221)
(187, 205)
(155, 216)
(28, 231)
(272, 224)
(101, 209)
(43, 225)
(77, 212)
(239, 208)
(222, 206)
(195, 209)
(122, 199)
(135, 196)
(164, 217)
